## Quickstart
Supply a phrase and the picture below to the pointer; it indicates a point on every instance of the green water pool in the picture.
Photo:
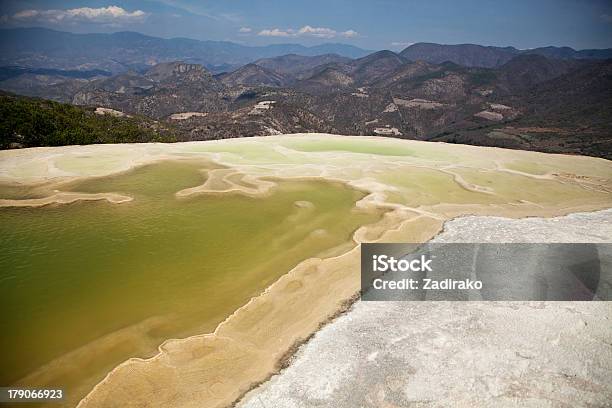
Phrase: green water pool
(87, 285)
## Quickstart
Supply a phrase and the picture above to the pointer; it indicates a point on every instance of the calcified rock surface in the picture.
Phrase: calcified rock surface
(462, 354)
(574, 228)
(419, 184)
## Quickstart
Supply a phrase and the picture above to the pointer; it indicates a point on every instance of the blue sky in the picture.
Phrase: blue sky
(371, 24)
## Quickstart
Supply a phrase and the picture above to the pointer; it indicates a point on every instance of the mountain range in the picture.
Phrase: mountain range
(122, 51)
(118, 52)
(473, 55)
(547, 99)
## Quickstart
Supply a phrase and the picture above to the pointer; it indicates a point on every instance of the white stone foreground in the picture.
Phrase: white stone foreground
(574, 228)
(461, 354)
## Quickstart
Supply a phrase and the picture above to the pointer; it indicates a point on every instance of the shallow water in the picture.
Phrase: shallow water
(88, 285)
(353, 146)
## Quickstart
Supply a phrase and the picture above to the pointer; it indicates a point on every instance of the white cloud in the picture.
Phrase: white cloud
(307, 31)
(319, 32)
(245, 30)
(276, 32)
(102, 15)
(349, 34)
(25, 14)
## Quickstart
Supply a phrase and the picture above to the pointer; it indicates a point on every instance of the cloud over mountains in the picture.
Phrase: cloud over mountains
(102, 15)
(307, 31)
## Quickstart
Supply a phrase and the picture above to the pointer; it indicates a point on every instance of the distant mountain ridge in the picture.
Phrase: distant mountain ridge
(518, 99)
(473, 55)
(253, 75)
(117, 52)
(42, 48)
(293, 64)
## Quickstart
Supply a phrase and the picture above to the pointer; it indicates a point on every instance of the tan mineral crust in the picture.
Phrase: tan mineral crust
(420, 185)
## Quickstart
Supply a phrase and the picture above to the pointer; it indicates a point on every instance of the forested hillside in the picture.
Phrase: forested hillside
(30, 122)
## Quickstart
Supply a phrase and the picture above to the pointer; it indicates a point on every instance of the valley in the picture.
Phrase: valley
(551, 99)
